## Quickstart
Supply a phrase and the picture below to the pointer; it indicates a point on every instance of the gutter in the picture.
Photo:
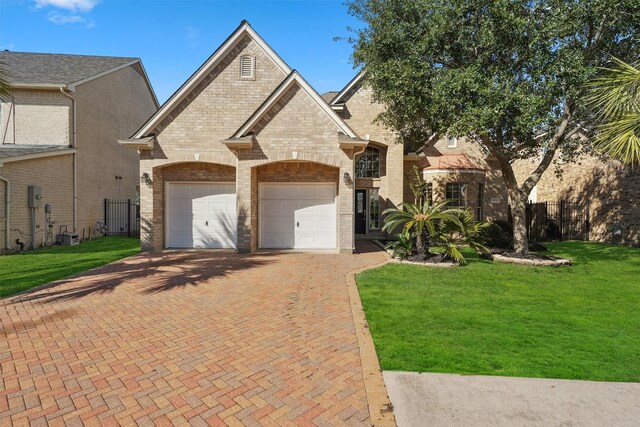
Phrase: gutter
(75, 158)
(7, 210)
(21, 157)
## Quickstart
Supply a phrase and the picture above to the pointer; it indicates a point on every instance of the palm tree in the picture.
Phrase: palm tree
(615, 97)
(464, 228)
(424, 220)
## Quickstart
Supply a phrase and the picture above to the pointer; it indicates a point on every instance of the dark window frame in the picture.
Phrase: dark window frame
(456, 194)
(368, 164)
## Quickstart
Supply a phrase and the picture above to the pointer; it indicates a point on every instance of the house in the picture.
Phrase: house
(247, 155)
(59, 158)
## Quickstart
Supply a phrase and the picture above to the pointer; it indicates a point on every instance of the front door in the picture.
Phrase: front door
(361, 212)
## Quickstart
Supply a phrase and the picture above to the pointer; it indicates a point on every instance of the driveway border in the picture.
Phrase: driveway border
(380, 407)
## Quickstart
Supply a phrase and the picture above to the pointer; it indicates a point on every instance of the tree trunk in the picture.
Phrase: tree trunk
(519, 216)
(423, 242)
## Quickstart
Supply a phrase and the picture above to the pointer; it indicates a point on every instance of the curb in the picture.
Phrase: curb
(380, 407)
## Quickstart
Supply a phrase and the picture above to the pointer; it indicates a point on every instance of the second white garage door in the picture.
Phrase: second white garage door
(201, 215)
(297, 216)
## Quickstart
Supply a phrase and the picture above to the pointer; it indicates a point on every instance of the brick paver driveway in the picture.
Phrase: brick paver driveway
(187, 338)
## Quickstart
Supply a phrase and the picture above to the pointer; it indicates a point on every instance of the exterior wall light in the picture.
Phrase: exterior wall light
(347, 178)
(147, 178)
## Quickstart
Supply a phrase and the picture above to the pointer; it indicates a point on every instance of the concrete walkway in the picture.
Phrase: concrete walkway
(457, 400)
(188, 338)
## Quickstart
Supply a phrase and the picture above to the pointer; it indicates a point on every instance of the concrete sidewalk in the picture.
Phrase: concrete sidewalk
(458, 400)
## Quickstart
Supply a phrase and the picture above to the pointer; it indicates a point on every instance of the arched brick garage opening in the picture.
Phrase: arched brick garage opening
(296, 205)
(196, 204)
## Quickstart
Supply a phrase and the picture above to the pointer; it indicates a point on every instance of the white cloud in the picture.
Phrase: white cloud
(60, 18)
(72, 5)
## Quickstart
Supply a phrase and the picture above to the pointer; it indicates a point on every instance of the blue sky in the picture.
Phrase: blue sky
(174, 38)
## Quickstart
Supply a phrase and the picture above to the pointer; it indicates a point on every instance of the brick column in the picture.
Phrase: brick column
(245, 185)
(346, 236)
(146, 207)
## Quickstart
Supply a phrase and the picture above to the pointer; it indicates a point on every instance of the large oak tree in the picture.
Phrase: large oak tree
(507, 74)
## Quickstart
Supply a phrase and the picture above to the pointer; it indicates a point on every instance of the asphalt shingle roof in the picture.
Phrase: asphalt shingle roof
(12, 150)
(51, 68)
(328, 96)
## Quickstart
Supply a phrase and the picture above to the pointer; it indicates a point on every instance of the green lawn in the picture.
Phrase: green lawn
(578, 322)
(23, 271)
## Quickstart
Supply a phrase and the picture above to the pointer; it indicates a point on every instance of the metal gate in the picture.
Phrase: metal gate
(563, 220)
(122, 217)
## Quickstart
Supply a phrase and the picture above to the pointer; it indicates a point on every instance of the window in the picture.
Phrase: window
(368, 165)
(452, 142)
(456, 194)
(374, 209)
(480, 211)
(247, 65)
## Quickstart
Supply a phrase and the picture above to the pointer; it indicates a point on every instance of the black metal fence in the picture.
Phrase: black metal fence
(122, 217)
(563, 220)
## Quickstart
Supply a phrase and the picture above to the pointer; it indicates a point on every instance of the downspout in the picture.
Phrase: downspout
(75, 158)
(7, 210)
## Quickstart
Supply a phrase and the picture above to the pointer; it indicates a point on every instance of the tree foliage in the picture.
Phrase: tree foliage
(507, 74)
(614, 96)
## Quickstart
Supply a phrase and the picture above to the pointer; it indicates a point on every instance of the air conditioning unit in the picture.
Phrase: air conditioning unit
(67, 238)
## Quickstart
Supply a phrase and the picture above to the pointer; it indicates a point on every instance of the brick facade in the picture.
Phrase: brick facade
(107, 108)
(36, 117)
(295, 140)
(611, 190)
(53, 175)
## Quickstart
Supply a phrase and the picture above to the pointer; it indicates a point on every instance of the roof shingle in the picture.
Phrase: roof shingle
(50, 68)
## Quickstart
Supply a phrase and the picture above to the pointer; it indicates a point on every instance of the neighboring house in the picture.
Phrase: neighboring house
(247, 155)
(58, 130)
(610, 190)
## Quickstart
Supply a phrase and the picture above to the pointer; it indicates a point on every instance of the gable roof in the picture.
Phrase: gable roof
(339, 98)
(243, 29)
(51, 68)
(293, 78)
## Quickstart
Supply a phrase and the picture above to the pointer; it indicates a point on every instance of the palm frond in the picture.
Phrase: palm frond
(614, 97)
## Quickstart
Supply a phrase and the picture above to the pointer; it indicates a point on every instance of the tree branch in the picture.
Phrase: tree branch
(559, 134)
(505, 166)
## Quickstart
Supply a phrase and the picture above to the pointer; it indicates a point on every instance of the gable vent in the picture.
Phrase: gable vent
(247, 65)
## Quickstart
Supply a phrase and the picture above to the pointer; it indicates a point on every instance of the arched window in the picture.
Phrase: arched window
(368, 165)
(247, 65)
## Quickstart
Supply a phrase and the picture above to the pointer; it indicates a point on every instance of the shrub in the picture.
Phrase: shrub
(497, 234)
(404, 247)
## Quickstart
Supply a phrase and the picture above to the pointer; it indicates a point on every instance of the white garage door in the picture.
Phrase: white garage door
(201, 215)
(299, 216)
